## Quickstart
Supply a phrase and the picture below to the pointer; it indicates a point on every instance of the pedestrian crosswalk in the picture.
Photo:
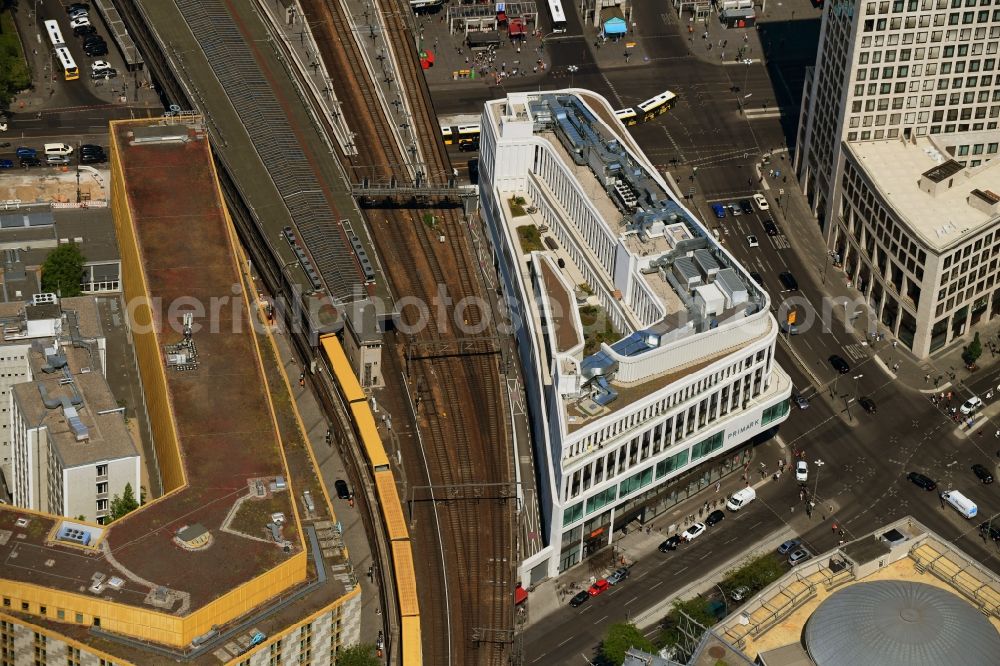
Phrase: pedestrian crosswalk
(857, 352)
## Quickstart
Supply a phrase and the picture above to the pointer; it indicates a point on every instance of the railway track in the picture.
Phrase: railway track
(460, 406)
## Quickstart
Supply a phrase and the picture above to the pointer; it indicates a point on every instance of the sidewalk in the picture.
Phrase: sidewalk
(550, 595)
(331, 468)
(935, 374)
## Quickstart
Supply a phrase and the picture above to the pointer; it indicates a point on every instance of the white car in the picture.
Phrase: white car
(752, 241)
(971, 405)
(78, 22)
(802, 471)
(761, 201)
(99, 65)
(693, 532)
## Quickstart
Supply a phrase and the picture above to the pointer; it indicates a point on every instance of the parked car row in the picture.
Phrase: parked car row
(79, 20)
(794, 550)
(599, 586)
(56, 154)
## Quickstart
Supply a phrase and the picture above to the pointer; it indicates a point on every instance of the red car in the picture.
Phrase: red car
(598, 587)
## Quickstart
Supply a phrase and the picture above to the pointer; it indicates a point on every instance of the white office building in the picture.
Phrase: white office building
(72, 452)
(42, 320)
(904, 92)
(646, 348)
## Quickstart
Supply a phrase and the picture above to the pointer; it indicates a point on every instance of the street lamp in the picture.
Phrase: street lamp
(819, 464)
(724, 600)
(848, 400)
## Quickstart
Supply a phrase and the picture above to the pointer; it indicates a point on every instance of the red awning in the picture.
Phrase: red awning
(520, 595)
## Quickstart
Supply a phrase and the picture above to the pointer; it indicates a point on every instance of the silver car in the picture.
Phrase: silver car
(798, 556)
(618, 575)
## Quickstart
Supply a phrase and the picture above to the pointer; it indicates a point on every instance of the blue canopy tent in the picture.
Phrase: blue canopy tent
(615, 26)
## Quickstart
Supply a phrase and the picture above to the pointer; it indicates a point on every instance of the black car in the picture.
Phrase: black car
(77, 6)
(93, 158)
(671, 543)
(715, 518)
(30, 162)
(343, 492)
(867, 404)
(746, 206)
(839, 364)
(468, 146)
(770, 227)
(90, 148)
(84, 30)
(922, 481)
(579, 599)
(93, 39)
(96, 51)
(787, 279)
(104, 74)
(757, 278)
(982, 473)
(989, 530)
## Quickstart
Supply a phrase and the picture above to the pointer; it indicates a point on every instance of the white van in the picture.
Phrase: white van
(58, 149)
(741, 498)
(960, 503)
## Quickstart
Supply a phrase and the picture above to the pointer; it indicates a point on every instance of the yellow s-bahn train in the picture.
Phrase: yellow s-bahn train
(366, 430)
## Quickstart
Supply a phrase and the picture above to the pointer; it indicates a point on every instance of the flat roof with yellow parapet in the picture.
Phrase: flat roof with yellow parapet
(229, 461)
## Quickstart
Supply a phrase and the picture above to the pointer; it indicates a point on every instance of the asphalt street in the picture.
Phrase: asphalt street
(55, 108)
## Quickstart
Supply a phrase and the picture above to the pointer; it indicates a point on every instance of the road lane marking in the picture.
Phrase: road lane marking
(631, 600)
(680, 570)
(705, 555)
(600, 619)
(657, 585)
(565, 641)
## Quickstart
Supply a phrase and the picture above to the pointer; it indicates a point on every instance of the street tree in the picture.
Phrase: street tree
(622, 636)
(973, 351)
(63, 270)
(359, 654)
(124, 504)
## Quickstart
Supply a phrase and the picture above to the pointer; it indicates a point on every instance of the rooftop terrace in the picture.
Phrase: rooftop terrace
(653, 273)
(775, 618)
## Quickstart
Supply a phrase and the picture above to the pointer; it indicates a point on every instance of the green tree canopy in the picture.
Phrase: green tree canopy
(124, 504)
(359, 654)
(63, 270)
(14, 74)
(620, 638)
(973, 351)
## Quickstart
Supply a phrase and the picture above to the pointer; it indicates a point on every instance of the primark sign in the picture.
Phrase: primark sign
(743, 429)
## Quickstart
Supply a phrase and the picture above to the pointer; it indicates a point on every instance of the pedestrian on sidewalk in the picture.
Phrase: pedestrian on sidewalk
(718, 485)
(302, 379)
(835, 528)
